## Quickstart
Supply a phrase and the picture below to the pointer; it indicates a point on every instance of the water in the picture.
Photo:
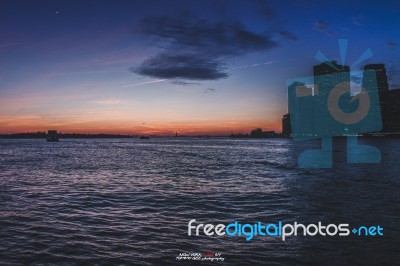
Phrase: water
(128, 201)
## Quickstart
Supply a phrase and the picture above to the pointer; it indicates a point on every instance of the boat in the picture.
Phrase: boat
(52, 136)
(144, 137)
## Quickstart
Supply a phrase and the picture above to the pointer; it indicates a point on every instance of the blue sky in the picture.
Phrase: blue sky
(197, 67)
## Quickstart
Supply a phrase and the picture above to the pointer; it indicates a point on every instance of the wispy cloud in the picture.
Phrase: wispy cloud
(110, 102)
(392, 45)
(254, 65)
(8, 45)
(358, 20)
(183, 83)
(320, 25)
(121, 57)
(144, 83)
(287, 35)
(209, 90)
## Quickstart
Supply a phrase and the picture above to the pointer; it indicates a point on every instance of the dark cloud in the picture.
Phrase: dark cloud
(216, 38)
(181, 66)
(195, 49)
(392, 45)
(323, 27)
(263, 7)
(288, 35)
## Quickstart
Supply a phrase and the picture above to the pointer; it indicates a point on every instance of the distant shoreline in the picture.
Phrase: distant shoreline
(42, 135)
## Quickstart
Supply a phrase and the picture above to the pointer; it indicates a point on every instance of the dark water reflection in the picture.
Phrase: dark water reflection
(129, 201)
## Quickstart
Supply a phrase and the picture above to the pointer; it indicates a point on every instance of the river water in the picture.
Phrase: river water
(129, 201)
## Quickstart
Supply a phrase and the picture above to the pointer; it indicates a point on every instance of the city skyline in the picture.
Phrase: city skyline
(156, 68)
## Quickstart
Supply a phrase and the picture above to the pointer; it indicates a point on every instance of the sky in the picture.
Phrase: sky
(160, 67)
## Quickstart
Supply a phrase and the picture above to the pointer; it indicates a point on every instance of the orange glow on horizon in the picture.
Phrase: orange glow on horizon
(189, 115)
(23, 124)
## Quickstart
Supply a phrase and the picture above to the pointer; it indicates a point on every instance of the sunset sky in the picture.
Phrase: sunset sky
(156, 67)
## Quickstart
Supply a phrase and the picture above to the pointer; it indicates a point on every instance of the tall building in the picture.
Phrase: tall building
(327, 76)
(286, 127)
(389, 99)
(330, 67)
(301, 110)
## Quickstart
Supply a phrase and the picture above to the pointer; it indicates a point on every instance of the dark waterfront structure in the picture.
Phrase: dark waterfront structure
(256, 133)
(259, 133)
(52, 135)
(43, 135)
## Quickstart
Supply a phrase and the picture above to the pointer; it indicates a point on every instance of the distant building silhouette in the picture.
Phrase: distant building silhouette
(259, 133)
(52, 135)
(389, 100)
(286, 127)
(256, 133)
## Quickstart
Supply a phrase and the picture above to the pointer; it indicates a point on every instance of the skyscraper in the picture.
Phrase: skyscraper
(330, 67)
(389, 99)
(286, 127)
(327, 76)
